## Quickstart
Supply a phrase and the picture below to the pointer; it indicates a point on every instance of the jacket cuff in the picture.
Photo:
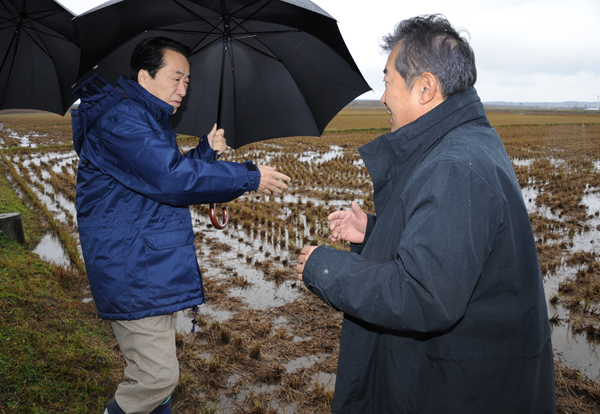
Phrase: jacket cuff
(208, 154)
(250, 166)
(253, 180)
(316, 269)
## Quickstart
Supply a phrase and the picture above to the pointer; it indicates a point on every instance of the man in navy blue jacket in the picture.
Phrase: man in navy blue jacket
(133, 192)
(443, 301)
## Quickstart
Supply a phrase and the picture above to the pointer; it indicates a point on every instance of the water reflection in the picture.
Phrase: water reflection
(574, 350)
(524, 162)
(51, 249)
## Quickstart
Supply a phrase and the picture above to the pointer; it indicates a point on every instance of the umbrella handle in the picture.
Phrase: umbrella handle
(213, 216)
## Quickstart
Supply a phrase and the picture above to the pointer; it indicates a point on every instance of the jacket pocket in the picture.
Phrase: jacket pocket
(171, 264)
(104, 262)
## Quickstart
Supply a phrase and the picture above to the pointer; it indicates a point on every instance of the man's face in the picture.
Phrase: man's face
(171, 81)
(402, 103)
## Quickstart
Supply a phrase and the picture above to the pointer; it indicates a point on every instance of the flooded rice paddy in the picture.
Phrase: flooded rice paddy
(263, 340)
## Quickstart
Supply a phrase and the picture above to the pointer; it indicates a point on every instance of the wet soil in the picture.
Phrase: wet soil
(264, 344)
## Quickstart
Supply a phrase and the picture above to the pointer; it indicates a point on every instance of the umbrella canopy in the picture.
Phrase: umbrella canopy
(259, 68)
(39, 55)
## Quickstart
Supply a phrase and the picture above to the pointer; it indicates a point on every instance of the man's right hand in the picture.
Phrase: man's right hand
(348, 225)
(269, 180)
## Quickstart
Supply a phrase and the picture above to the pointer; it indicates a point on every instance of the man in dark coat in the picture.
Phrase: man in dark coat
(444, 308)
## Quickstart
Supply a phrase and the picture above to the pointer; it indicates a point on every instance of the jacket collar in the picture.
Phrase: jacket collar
(391, 157)
(161, 110)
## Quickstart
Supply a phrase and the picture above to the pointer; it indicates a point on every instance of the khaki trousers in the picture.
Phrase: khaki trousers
(152, 371)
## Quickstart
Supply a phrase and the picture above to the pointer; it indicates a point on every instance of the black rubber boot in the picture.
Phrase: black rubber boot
(164, 408)
(113, 408)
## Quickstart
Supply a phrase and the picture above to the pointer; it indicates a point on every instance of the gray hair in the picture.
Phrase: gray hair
(431, 44)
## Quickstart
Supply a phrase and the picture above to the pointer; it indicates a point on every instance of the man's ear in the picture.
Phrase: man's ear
(429, 88)
(143, 76)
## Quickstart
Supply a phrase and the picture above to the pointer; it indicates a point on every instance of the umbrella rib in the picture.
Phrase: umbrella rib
(38, 41)
(215, 28)
(194, 50)
(272, 55)
(12, 41)
(263, 34)
(14, 17)
(35, 17)
(253, 14)
(198, 16)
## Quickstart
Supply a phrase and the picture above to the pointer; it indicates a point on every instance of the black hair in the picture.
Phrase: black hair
(429, 43)
(149, 55)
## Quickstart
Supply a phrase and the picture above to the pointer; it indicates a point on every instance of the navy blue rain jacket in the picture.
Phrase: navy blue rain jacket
(133, 192)
(444, 307)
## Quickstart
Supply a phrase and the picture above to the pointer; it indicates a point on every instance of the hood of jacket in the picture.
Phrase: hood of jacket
(391, 156)
(98, 96)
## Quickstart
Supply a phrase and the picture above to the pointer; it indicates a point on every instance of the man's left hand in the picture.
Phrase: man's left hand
(216, 139)
(304, 255)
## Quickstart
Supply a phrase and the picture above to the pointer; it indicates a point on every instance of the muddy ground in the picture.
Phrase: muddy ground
(264, 344)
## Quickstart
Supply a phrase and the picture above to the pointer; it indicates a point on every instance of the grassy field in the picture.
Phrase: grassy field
(58, 357)
(55, 355)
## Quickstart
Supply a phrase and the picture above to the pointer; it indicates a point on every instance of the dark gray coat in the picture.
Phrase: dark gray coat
(444, 303)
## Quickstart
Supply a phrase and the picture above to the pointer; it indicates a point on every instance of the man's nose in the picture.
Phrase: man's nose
(382, 99)
(181, 89)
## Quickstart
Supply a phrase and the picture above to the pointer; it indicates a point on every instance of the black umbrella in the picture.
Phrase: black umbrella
(39, 55)
(260, 68)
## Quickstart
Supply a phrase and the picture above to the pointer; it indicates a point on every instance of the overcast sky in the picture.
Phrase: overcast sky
(525, 50)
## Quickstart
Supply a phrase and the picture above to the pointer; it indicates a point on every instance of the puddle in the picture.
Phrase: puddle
(63, 208)
(326, 381)
(522, 162)
(51, 250)
(227, 405)
(260, 294)
(573, 350)
(529, 196)
(591, 200)
(24, 140)
(298, 199)
(206, 311)
(304, 362)
(315, 157)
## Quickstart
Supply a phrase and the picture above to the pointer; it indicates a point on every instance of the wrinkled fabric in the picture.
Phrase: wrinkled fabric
(133, 192)
(444, 308)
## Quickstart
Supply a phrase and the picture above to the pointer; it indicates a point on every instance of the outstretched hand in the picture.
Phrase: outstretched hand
(269, 180)
(216, 139)
(348, 225)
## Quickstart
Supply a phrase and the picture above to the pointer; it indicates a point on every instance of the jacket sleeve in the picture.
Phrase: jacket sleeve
(202, 151)
(452, 217)
(136, 153)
